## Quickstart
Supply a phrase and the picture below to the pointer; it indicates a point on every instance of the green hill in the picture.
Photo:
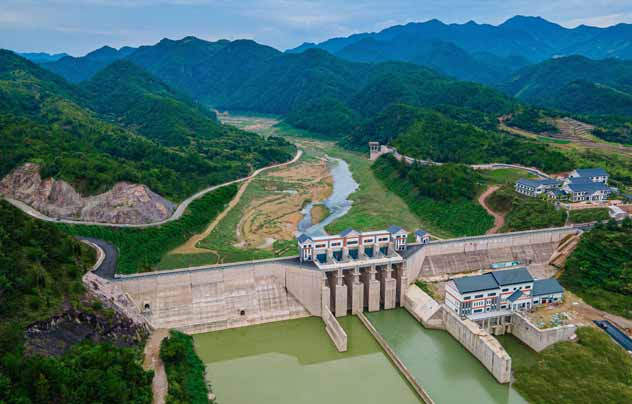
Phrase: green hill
(46, 120)
(77, 69)
(576, 84)
(132, 97)
(427, 134)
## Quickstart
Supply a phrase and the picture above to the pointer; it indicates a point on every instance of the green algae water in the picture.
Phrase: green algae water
(295, 362)
(445, 369)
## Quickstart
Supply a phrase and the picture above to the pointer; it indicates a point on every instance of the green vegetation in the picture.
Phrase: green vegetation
(440, 195)
(45, 120)
(40, 270)
(593, 369)
(142, 249)
(524, 213)
(576, 84)
(618, 135)
(532, 120)
(185, 370)
(505, 176)
(588, 215)
(430, 135)
(600, 268)
(533, 213)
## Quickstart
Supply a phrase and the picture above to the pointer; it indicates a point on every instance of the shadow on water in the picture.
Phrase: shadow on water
(296, 362)
(442, 366)
(338, 203)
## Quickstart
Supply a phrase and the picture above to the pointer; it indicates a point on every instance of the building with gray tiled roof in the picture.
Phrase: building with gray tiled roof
(497, 292)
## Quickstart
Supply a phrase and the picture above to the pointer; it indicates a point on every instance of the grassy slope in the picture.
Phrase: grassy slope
(141, 249)
(588, 215)
(599, 269)
(593, 370)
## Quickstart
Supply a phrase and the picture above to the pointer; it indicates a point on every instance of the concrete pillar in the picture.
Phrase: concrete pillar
(325, 295)
(371, 289)
(330, 254)
(340, 295)
(355, 290)
(345, 253)
(388, 287)
(360, 250)
(402, 283)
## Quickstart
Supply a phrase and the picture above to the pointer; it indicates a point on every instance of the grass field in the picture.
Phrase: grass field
(588, 215)
(505, 176)
(592, 370)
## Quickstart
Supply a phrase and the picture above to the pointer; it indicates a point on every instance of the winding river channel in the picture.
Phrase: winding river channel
(338, 203)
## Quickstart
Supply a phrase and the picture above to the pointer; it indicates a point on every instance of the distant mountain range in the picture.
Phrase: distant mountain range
(532, 38)
(42, 57)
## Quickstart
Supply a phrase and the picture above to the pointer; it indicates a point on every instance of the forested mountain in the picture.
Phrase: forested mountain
(46, 120)
(76, 69)
(315, 89)
(576, 84)
(427, 134)
(134, 98)
(532, 38)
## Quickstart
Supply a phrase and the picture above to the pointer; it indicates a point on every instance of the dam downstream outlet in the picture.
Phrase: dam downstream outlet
(444, 368)
(294, 362)
(338, 203)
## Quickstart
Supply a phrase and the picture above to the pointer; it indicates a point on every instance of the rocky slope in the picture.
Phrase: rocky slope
(125, 203)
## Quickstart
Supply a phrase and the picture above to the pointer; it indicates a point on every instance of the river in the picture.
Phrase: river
(295, 362)
(445, 369)
(338, 203)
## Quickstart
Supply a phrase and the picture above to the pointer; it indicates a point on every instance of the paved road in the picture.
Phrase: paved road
(107, 269)
(182, 207)
(490, 166)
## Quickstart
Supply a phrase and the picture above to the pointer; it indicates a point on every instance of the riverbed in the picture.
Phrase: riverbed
(338, 202)
(295, 362)
(445, 369)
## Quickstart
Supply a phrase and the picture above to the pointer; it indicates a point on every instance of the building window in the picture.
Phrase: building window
(506, 290)
(527, 287)
(320, 245)
(467, 297)
(478, 296)
(491, 294)
(354, 242)
(478, 311)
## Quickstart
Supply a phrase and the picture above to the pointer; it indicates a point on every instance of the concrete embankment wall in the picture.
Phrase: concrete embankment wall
(334, 330)
(539, 339)
(423, 394)
(480, 344)
(423, 308)
(416, 260)
(215, 298)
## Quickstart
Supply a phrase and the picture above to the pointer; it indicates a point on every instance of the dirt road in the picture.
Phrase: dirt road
(190, 246)
(499, 219)
(152, 361)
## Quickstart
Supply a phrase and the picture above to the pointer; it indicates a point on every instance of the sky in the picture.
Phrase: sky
(79, 26)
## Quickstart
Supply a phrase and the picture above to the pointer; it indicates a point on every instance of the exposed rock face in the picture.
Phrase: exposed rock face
(125, 203)
(59, 333)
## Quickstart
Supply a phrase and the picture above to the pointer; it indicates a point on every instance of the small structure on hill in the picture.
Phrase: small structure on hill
(422, 237)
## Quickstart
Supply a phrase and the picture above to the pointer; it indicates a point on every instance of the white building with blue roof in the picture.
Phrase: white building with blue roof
(582, 184)
(593, 174)
(499, 293)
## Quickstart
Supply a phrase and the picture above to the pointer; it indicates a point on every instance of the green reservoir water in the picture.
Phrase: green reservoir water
(295, 362)
(446, 370)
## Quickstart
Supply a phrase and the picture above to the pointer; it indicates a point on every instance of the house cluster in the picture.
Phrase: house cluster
(590, 184)
(500, 292)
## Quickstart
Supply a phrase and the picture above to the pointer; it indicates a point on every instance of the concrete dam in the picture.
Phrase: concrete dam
(224, 296)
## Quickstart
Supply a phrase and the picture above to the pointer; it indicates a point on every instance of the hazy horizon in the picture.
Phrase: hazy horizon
(78, 27)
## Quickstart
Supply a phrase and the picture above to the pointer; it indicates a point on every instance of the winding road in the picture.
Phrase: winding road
(499, 219)
(182, 207)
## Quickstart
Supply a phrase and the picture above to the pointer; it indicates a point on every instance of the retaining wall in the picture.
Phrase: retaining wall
(539, 339)
(415, 260)
(423, 394)
(424, 308)
(480, 344)
(334, 330)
